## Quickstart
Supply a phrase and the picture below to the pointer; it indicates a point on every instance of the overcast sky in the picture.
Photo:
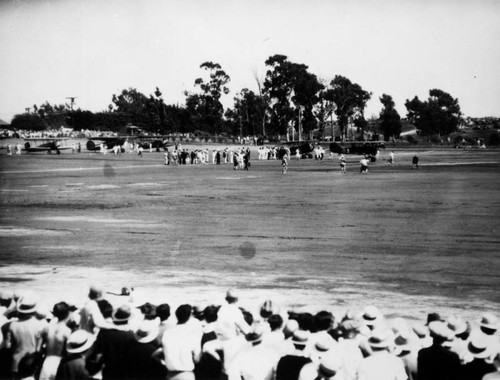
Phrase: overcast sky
(92, 49)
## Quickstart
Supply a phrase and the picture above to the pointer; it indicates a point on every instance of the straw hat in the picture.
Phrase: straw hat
(300, 337)
(489, 321)
(147, 332)
(440, 330)
(479, 345)
(79, 341)
(329, 366)
(371, 315)
(457, 325)
(27, 304)
(380, 338)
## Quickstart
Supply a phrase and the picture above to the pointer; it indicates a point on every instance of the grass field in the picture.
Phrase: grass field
(409, 241)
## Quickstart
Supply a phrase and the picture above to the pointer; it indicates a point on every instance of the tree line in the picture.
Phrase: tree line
(289, 98)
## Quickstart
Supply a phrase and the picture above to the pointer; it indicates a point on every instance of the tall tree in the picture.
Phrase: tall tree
(246, 117)
(293, 93)
(390, 121)
(28, 121)
(206, 107)
(349, 99)
(440, 114)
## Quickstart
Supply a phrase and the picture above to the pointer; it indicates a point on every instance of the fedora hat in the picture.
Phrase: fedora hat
(479, 345)
(231, 294)
(122, 314)
(380, 338)
(147, 332)
(489, 321)
(27, 304)
(79, 341)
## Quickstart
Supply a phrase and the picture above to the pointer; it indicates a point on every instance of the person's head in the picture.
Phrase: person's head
(441, 333)
(27, 306)
(122, 315)
(323, 321)
(489, 324)
(371, 316)
(290, 327)
(96, 292)
(306, 321)
(247, 316)
(380, 339)
(79, 342)
(266, 310)
(163, 311)
(211, 313)
(61, 310)
(183, 313)
(105, 308)
(5, 298)
(231, 296)
(300, 339)
(275, 322)
(148, 311)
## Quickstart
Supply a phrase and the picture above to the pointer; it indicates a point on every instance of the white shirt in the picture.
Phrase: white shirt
(254, 363)
(231, 322)
(381, 366)
(181, 347)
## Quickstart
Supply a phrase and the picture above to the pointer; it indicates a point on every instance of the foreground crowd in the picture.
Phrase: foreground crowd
(99, 341)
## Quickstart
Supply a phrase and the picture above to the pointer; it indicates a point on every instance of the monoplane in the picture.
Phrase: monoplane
(48, 145)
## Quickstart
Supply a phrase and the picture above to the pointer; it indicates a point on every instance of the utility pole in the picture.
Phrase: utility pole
(72, 100)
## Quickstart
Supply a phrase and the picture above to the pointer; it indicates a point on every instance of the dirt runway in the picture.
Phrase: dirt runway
(409, 241)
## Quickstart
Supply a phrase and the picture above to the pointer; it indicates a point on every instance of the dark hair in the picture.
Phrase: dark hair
(306, 321)
(106, 308)
(61, 310)
(248, 317)
(275, 322)
(183, 313)
(323, 320)
(163, 311)
(211, 313)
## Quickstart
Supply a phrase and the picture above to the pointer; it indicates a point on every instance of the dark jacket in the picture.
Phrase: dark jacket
(438, 363)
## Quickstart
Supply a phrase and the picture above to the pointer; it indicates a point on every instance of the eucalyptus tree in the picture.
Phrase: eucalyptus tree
(389, 120)
(349, 98)
(440, 114)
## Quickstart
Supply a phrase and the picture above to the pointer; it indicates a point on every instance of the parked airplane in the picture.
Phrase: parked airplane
(47, 145)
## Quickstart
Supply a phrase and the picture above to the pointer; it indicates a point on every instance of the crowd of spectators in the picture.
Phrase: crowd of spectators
(99, 340)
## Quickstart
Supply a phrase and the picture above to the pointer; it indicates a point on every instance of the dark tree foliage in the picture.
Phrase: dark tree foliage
(440, 114)
(293, 93)
(205, 108)
(349, 99)
(390, 121)
(28, 121)
(246, 118)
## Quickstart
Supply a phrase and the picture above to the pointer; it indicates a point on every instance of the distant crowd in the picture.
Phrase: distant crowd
(99, 340)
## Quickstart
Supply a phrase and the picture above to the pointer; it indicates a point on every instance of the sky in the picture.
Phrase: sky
(91, 49)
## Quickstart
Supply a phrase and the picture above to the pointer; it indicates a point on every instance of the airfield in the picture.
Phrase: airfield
(408, 241)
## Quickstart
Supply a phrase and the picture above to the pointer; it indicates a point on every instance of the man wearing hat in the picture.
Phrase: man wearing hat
(480, 349)
(289, 366)
(72, 366)
(438, 361)
(230, 318)
(329, 368)
(22, 334)
(381, 364)
(489, 325)
(138, 354)
(90, 315)
(255, 361)
(112, 343)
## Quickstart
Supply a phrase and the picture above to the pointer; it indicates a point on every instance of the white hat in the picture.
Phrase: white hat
(479, 345)
(380, 338)
(147, 332)
(79, 341)
(27, 304)
(371, 315)
(489, 321)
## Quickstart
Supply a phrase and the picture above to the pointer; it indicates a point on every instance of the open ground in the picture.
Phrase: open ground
(408, 241)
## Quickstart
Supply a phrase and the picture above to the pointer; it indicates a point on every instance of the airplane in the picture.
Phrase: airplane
(94, 144)
(50, 144)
